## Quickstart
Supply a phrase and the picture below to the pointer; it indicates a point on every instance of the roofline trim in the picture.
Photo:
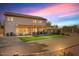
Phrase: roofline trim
(23, 15)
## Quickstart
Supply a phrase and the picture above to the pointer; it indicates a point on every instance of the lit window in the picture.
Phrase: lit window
(34, 21)
(35, 29)
(17, 31)
(10, 19)
(40, 21)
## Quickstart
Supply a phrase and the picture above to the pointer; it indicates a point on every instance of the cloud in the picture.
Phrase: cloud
(62, 10)
(26, 10)
(69, 14)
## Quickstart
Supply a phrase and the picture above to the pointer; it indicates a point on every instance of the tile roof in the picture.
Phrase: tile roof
(23, 15)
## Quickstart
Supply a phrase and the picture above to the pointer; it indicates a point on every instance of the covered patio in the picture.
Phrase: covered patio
(23, 30)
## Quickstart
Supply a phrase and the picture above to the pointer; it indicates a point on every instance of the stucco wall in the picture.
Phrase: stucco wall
(10, 26)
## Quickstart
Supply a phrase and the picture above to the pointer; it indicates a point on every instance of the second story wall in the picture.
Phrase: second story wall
(24, 21)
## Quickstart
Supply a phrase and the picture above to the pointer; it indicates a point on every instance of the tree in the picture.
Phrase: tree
(70, 29)
(48, 27)
(48, 23)
(56, 30)
(1, 26)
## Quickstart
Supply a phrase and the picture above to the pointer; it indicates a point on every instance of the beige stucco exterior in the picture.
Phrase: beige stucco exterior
(24, 24)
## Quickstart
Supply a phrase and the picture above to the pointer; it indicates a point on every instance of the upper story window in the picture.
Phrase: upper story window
(34, 21)
(37, 21)
(40, 21)
(10, 18)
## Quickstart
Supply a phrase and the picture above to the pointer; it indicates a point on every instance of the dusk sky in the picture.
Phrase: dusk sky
(57, 14)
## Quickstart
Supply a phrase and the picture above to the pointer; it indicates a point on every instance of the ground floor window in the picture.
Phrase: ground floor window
(24, 30)
(21, 31)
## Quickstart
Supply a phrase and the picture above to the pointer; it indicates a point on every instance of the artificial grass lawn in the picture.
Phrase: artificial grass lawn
(33, 38)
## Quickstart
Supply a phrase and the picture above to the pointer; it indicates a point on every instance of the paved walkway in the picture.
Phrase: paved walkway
(12, 45)
(6, 41)
(58, 44)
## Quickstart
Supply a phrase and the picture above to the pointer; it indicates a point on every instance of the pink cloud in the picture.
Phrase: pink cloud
(60, 9)
(69, 14)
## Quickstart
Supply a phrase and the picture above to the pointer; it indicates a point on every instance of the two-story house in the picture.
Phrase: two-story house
(20, 24)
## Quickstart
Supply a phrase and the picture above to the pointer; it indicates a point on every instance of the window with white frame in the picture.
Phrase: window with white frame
(39, 21)
(34, 21)
(10, 18)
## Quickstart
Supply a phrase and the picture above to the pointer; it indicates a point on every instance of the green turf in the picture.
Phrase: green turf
(33, 38)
